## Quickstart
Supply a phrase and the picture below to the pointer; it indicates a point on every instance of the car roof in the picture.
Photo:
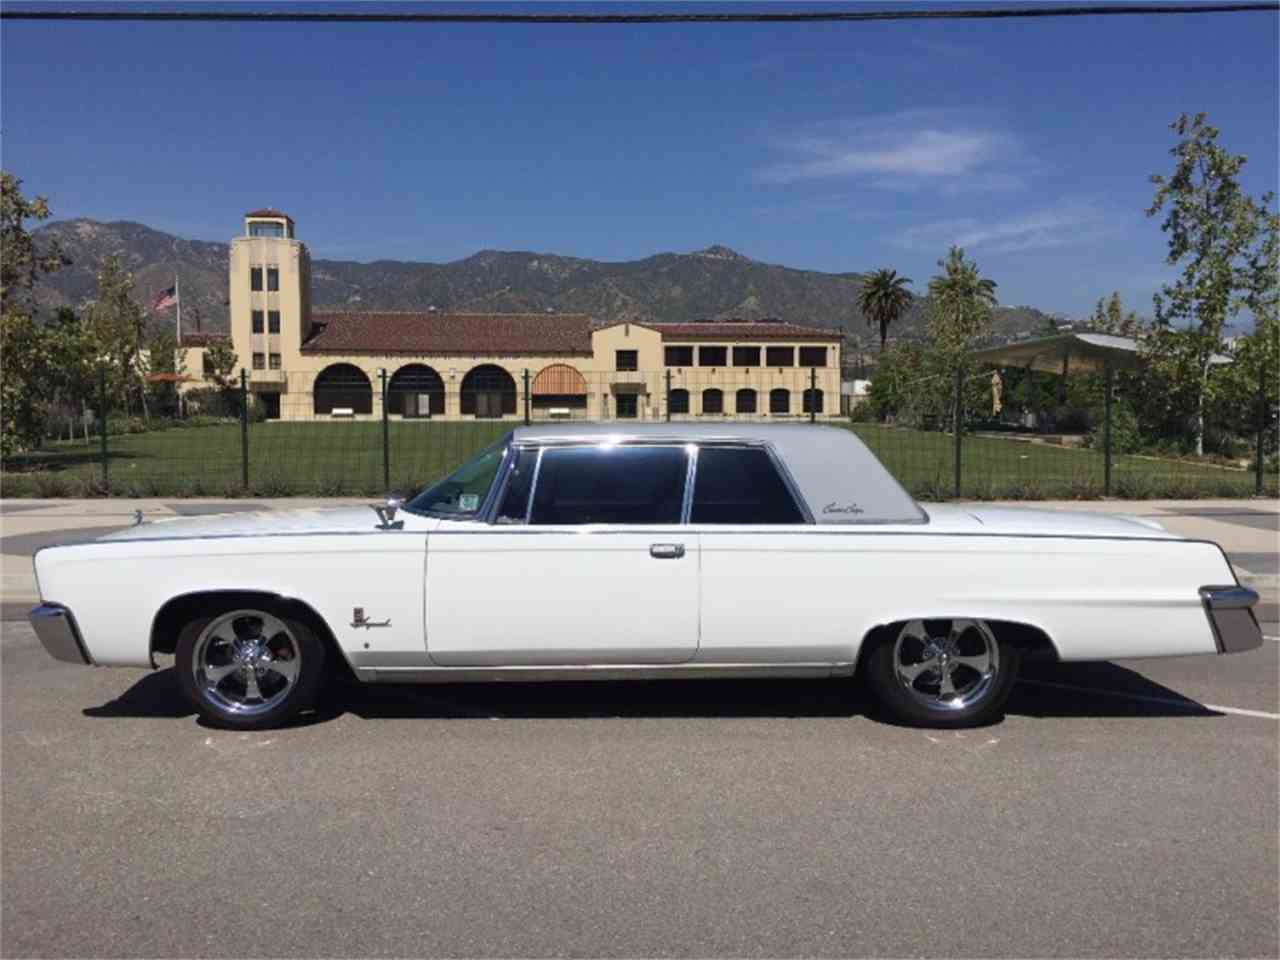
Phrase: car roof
(840, 479)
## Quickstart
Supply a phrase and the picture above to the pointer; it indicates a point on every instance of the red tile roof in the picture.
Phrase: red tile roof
(269, 212)
(730, 331)
(460, 334)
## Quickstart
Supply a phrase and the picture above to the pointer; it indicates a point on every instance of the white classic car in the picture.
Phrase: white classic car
(657, 550)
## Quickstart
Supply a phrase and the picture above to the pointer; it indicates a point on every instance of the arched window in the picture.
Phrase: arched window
(679, 402)
(559, 387)
(712, 400)
(813, 401)
(415, 390)
(488, 391)
(342, 386)
(746, 401)
(780, 401)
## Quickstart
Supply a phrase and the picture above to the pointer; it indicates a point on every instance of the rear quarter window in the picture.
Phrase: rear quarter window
(741, 485)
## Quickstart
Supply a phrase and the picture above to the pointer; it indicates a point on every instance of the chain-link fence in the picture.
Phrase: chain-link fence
(344, 432)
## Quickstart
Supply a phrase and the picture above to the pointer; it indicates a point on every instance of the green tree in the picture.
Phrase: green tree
(115, 323)
(220, 364)
(1110, 316)
(883, 299)
(961, 301)
(1217, 233)
(26, 364)
(22, 262)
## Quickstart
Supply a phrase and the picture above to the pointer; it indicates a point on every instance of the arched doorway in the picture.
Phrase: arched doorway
(780, 401)
(712, 400)
(679, 402)
(342, 386)
(559, 390)
(746, 401)
(488, 391)
(416, 390)
(813, 401)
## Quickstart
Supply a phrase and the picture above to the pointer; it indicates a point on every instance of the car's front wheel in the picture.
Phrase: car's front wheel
(942, 673)
(250, 667)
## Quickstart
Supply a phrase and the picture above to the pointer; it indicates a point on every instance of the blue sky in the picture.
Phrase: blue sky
(831, 147)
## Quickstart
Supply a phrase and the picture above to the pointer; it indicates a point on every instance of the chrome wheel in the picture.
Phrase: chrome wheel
(946, 665)
(245, 662)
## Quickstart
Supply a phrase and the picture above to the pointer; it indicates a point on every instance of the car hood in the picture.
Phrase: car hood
(256, 523)
(976, 518)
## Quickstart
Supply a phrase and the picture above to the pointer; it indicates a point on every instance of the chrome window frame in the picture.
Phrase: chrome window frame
(543, 446)
(489, 510)
(488, 507)
(788, 482)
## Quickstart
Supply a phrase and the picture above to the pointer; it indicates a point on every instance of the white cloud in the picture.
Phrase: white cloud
(906, 151)
(1064, 224)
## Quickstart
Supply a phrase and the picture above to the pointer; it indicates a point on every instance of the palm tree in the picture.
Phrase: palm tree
(884, 298)
(962, 291)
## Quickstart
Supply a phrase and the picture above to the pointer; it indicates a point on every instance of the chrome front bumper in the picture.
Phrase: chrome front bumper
(1230, 613)
(57, 630)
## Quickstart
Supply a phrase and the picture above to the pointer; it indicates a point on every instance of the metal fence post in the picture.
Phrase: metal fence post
(1262, 427)
(668, 396)
(526, 396)
(102, 423)
(1106, 432)
(386, 435)
(813, 394)
(959, 424)
(244, 429)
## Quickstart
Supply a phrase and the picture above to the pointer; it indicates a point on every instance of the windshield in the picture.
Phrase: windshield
(463, 491)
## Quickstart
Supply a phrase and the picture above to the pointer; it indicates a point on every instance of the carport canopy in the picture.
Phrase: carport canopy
(1069, 353)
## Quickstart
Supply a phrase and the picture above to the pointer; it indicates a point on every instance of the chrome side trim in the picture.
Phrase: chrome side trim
(58, 633)
(646, 671)
(1230, 613)
(818, 529)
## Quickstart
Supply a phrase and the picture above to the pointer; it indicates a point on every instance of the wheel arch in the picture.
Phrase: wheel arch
(1031, 639)
(179, 610)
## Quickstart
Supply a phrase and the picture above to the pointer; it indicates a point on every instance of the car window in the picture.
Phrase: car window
(514, 506)
(463, 492)
(741, 485)
(610, 484)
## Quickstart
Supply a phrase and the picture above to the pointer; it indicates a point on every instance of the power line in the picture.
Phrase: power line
(847, 16)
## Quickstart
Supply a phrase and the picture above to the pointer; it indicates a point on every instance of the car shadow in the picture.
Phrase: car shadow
(1045, 690)
(1097, 689)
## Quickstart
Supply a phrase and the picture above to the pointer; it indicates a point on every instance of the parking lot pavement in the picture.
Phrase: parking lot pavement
(1120, 809)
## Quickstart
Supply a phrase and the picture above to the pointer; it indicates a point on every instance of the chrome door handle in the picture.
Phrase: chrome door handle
(667, 551)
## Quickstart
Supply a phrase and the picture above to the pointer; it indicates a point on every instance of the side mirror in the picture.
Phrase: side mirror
(387, 514)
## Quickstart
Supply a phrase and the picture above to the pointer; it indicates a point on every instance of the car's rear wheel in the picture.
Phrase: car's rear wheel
(250, 667)
(943, 673)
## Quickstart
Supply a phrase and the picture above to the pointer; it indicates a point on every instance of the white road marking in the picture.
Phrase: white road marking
(1184, 704)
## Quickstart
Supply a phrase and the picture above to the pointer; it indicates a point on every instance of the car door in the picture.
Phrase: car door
(587, 562)
(773, 589)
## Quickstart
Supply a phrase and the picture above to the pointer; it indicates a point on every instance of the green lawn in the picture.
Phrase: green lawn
(346, 458)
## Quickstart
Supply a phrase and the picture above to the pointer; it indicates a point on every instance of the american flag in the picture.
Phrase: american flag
(165, 299)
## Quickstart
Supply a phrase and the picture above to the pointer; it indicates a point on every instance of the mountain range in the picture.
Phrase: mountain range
(715, 283)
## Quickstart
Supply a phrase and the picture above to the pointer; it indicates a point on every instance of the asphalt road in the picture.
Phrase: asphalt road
(1124, 809)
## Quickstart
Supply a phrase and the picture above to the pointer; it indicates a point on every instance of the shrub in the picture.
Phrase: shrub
(1125, 436)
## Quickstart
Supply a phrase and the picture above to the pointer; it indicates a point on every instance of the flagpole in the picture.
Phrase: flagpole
(177, 292)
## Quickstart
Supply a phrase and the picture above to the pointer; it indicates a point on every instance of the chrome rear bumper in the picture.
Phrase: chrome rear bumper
(57, 630)
(1230, 613)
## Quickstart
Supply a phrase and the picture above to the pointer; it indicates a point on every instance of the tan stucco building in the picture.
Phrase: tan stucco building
(305, 364)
